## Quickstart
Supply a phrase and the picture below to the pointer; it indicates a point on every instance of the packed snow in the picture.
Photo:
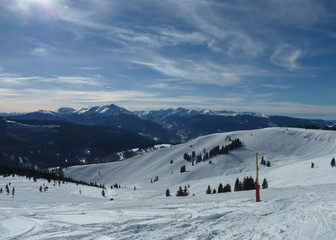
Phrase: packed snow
(299, 203)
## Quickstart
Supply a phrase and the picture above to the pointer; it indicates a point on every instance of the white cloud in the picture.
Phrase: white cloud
(14, 80)
(287, 56)
(74, 80)
(169, 86)
(40, 52)
(278, 86)
(87, 68)
(199, 71)
(7, 79)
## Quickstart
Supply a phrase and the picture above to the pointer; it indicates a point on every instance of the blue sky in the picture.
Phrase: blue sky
(273, 57)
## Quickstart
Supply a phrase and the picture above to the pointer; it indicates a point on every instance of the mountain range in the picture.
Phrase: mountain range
(169, 125)
(107, 133)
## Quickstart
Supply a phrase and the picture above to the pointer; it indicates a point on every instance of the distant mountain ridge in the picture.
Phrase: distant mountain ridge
(107, 115)
(170, 125)
(30, 143)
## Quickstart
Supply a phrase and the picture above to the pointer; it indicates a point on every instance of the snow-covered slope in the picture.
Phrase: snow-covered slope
(290, 152)
(299, 203)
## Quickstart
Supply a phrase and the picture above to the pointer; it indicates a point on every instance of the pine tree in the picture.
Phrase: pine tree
(103, 193)
(179, 192)
(214, 191)
(182, 192)
(248, 183)
(167, 193)
(332, 162)
(238, 185)
(220, 188)
(185, 191)
(227, 188)
(183, 169)
(208, 191)
(264, 184)
(262, 161)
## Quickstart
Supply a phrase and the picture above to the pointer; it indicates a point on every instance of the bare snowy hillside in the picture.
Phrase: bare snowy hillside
(290, 152)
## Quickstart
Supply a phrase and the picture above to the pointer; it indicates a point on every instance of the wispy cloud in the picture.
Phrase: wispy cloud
(199, 72)
(40, 52)
(74, 80)
(277, 86)
(287, 56)
(168, 86)
(15, 80)
(87, 68)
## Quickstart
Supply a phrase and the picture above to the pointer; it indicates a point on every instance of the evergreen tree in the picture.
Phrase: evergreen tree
(264, 184)
(185, 191)
(187, 157)
(167, 193)
(268, 164)
(220, 188)
(214, 191)
(103, 193)
(1, 190)
(262, 161)
(179, 192)
(182, 192)
(248, 183)
(332, 163)
(227, 188)
(208, 191)
(206, 156)
(199, 158)
(183, 169)
(238, 185)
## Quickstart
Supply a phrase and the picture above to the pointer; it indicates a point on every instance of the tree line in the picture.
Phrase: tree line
(6, 171)
(217, 150)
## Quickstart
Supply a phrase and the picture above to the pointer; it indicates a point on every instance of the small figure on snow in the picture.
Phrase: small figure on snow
(312, 165)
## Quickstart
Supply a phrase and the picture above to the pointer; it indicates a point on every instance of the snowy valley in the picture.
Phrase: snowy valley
(299, 202)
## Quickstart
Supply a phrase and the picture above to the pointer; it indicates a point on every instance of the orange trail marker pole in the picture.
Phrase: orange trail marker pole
(257, 181)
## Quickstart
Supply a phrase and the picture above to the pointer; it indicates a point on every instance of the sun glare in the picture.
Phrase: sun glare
(29, 4)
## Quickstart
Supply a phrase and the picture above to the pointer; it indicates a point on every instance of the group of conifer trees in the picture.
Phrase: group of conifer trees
(265, 163)
(248, 183)
(221, 189)
(6, 171)
(217, 150)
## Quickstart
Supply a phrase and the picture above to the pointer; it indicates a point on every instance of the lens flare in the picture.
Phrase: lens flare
(27, 5)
